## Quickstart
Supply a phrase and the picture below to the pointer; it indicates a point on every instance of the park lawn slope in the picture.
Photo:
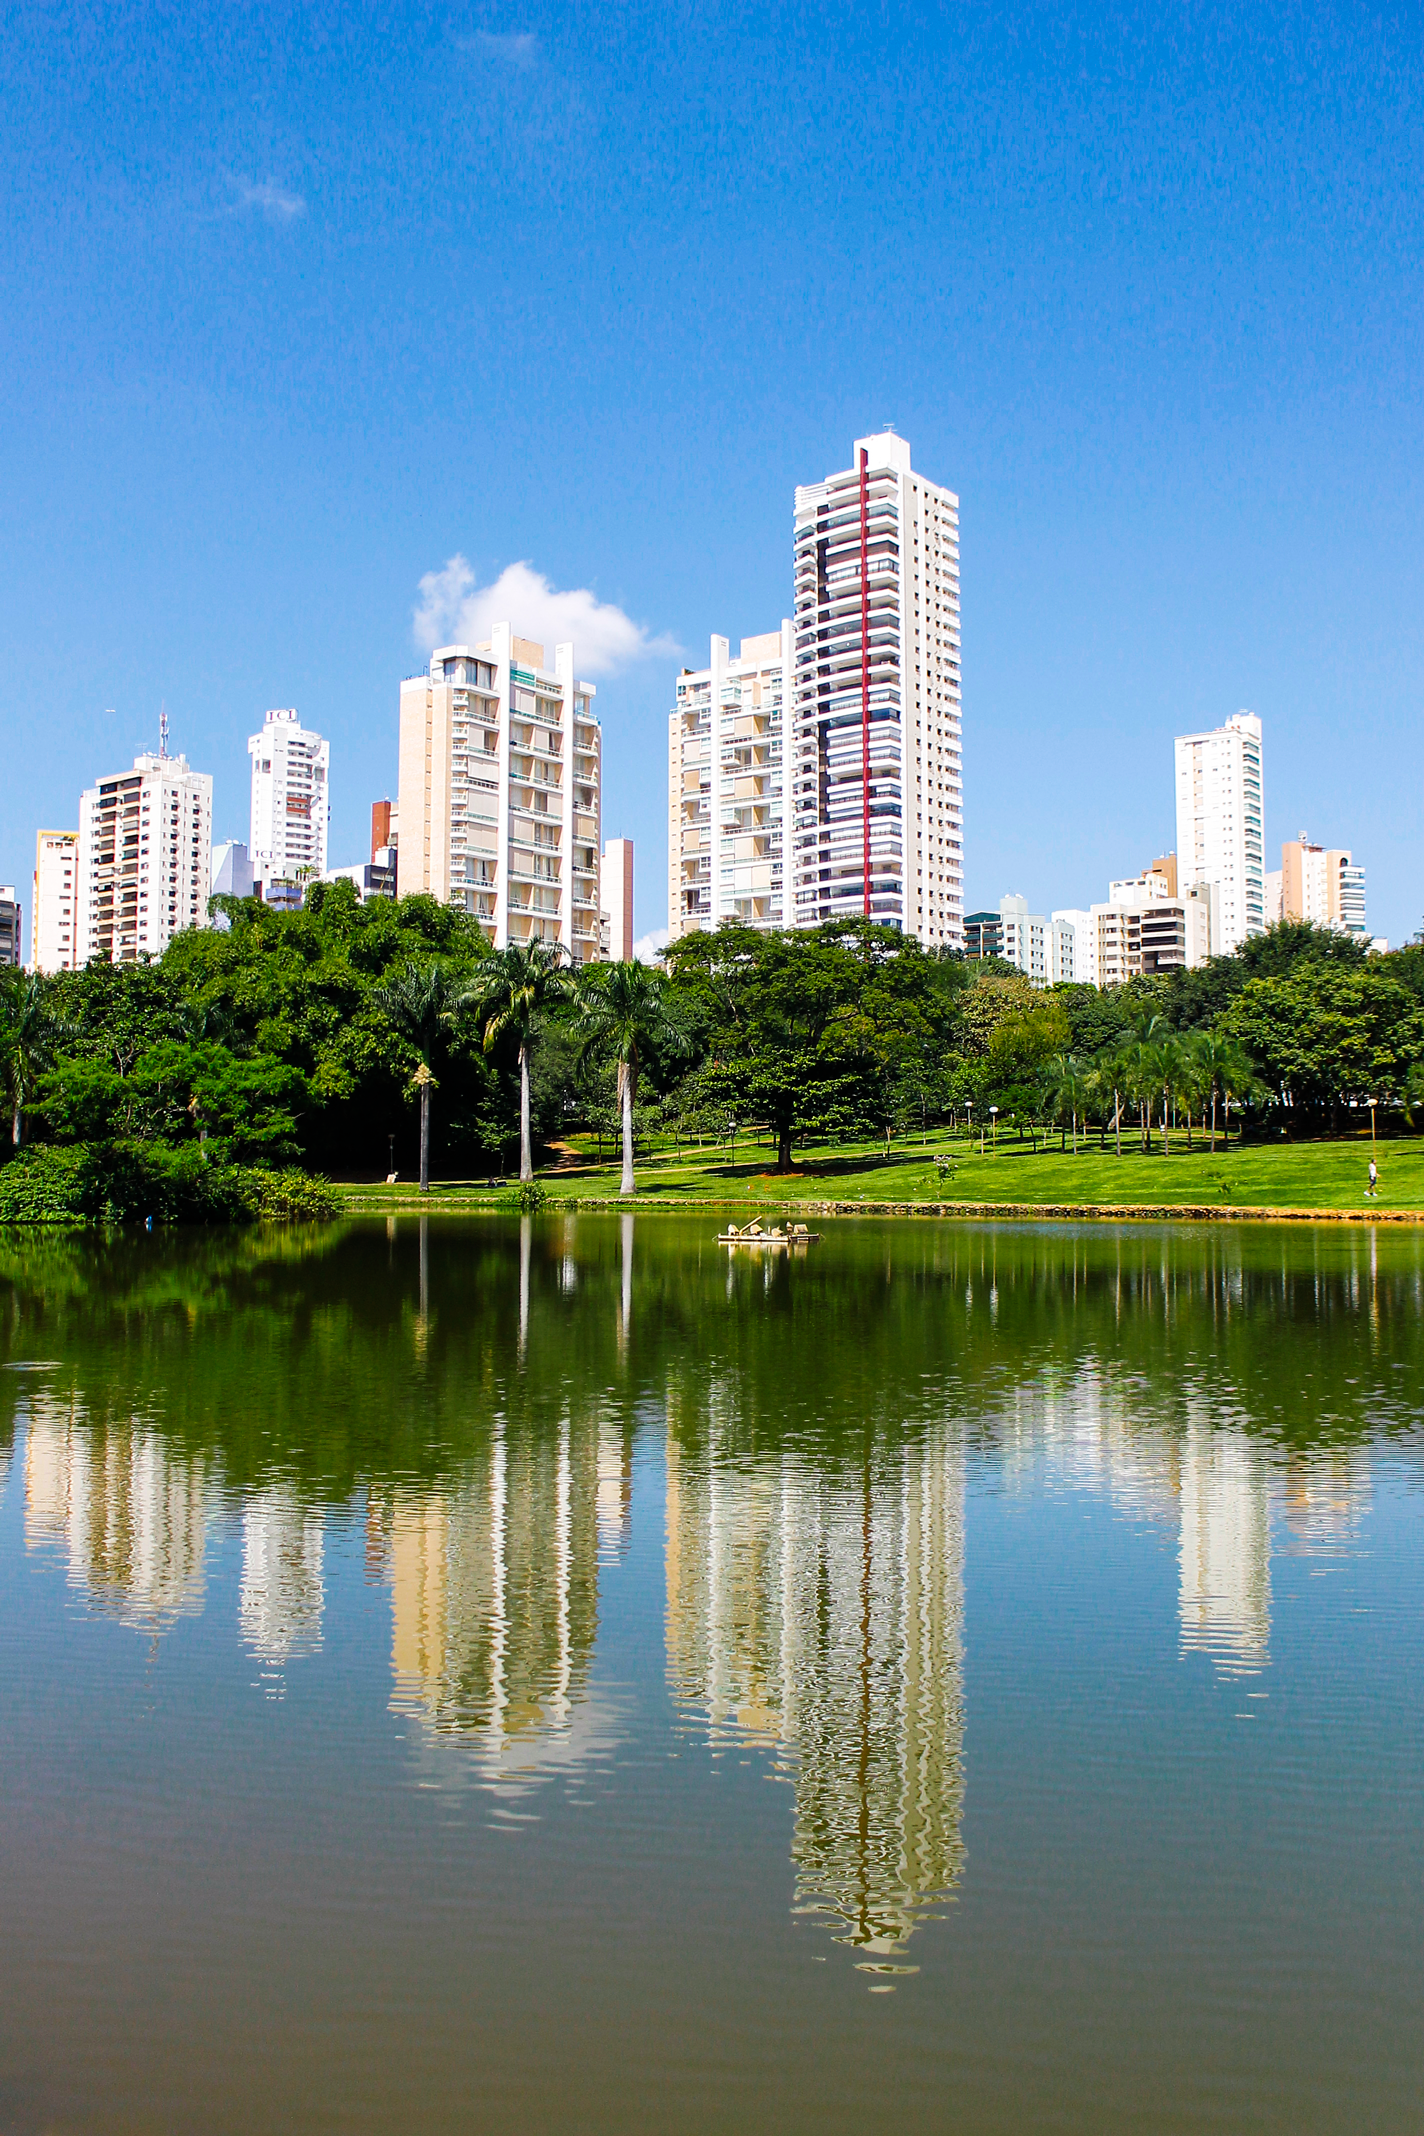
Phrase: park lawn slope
(1323, 1176)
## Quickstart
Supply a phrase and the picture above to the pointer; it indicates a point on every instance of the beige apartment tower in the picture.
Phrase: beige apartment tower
(53, 938)
(501, 768)
(1322, 884)
(726, 804)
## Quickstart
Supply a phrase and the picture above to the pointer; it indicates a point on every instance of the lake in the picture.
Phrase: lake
(474, 1675)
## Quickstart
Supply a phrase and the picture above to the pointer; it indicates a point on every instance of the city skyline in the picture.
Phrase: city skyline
(755, 887)
(1153, 361)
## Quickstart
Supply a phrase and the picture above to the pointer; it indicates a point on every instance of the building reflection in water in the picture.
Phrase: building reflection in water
(131, 1519)
(1220, 1485)
(494, 1594)
(1224, 1594)
(282, 1595)
(818, 1608)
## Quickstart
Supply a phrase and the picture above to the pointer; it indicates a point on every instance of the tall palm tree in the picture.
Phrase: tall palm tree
(1225, 1072)
(1068, 1090)
(27, 1033)
(625, 1013)
(1108, 1076)
(516, 985)
(1192, 1080)
(1174, 1069)
(422, 1004)
(1239, 1079)
(1142, 1066)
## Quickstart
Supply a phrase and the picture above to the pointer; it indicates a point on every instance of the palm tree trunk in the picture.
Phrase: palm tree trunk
(625, 1092)
(425, 1138)
(17, 1125)
(1117, 1122)
(1166, 1144)
(1213, 1119)
(526, 1155)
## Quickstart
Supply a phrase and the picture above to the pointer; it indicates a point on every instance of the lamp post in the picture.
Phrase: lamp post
(994, 1124)
(1372, 1102)
(969, 1117)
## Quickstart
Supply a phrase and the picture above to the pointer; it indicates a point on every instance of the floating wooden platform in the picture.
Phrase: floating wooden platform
(768, 1238)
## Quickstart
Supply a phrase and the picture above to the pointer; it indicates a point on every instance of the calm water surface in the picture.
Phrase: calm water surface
(459, 1677)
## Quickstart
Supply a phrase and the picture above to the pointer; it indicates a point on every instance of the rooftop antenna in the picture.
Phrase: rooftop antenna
(163, 728)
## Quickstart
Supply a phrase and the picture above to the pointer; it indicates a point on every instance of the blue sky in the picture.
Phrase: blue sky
(296, 307)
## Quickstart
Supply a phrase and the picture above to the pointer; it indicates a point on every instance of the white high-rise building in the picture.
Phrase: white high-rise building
(1220, 834)
(291, 807)
(501, 769)
(726, 799)
(876, 802)
(145, 855)
(52, 915)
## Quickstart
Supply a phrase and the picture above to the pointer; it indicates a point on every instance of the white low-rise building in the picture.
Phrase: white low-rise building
(1074, 947)
(11, 921)
(1025, 939)
(372, 878)
(232, 869)
(1147, 925)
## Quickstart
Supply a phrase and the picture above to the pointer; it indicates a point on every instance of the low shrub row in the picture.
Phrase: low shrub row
(131, 1182)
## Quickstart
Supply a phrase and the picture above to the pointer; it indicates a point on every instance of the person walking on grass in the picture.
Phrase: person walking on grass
(1372, 1190)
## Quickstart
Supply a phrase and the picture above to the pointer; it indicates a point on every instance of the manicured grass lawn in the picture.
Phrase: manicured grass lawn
(1325, 1175)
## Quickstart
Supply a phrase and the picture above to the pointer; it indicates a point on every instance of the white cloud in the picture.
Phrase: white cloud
(648, 948)
(453, 610)
(270, 199)
(516, 48)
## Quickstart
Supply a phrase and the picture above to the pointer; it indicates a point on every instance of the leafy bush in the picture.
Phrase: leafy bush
(129, 1182)
(289, 1197)
(528, 1196)
(45, 1186)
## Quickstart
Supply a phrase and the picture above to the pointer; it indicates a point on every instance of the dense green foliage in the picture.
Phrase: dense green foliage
(131, 1182)
(280, 1044)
